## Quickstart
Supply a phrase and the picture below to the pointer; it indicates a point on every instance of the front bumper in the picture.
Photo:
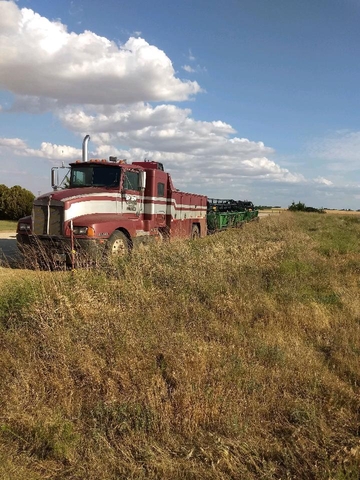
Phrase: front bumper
(58, 249)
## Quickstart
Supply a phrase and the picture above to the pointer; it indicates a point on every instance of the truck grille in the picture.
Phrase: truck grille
(55, 223)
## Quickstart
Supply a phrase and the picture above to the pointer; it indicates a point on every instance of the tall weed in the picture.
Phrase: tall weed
(234, 356)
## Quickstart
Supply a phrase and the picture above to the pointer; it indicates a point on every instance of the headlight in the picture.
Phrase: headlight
(89, 231)
(24, 227)
(80, 230)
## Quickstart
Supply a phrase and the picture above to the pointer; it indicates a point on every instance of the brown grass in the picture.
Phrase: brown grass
(334, 212)
(235, 356)
(343, 212)
(7, 226)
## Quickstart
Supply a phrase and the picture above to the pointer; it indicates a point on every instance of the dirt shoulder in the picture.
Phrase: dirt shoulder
(8, 234)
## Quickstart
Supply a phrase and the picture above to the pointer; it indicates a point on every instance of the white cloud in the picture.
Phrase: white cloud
(12, 143)
(95, 86)
(120, 118)
(215, 157)
(191, 56)
(52, 151)
(76, 8)
(31, 104)
(340, 149)
(47, 150)
(323, 181)
(188, 69)
(168, 134)
(9, 16)
(84, 68)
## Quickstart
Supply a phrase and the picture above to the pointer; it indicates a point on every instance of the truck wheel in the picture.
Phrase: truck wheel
(118, 245)
(195, 232)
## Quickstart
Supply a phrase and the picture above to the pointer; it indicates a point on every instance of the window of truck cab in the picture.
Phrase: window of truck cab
(107, 176)
(161, 189)
(131, 180)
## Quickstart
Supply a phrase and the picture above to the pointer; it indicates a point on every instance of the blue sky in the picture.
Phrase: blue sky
(249, 99)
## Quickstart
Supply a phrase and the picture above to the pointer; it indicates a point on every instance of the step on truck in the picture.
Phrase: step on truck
(110, 206)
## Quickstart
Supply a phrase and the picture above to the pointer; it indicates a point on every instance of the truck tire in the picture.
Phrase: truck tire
(195, 232)
(118, 245)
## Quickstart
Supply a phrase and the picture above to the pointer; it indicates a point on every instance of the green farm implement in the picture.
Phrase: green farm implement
(224, 214)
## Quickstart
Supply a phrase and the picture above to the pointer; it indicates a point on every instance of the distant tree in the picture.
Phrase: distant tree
(15, 202)
(3, 192)
(264, 207)
(301, 207)
(297, 207)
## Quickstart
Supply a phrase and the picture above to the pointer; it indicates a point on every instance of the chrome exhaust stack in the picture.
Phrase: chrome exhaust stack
(85, 148)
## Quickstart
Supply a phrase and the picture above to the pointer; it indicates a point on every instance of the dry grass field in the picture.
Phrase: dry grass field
(343, 212)
(232, 357)
(7, 226)
(274, 211)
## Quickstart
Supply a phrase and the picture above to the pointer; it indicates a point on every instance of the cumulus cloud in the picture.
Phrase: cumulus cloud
(81, 68)
(32, 105)
(52, 151)
(244, 159)
(120, 118)
(168, 134)
(92, 85)
(12, 143)
(47, 150)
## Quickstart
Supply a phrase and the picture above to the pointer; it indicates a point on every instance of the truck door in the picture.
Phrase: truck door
(160, 215)
(132, 200)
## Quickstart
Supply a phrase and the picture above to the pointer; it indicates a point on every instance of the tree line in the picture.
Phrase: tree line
(301, 207)
(15, 202)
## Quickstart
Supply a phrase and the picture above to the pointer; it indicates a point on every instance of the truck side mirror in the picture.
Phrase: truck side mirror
(54, 178)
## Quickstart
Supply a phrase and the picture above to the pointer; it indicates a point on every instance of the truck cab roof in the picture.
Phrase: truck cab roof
(147, 164)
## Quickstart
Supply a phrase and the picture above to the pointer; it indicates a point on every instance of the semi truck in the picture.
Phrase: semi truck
(109, 206)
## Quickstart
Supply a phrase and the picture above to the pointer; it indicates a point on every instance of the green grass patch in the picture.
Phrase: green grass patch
(16, 301)
(7, 226)
(335, 234)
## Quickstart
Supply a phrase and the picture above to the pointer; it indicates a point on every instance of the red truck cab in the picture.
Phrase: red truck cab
(112, 205)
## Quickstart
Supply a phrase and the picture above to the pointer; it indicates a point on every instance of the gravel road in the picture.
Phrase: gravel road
(9, 252)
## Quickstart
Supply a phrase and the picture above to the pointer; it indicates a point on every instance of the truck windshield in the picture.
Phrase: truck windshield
(95, 176)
